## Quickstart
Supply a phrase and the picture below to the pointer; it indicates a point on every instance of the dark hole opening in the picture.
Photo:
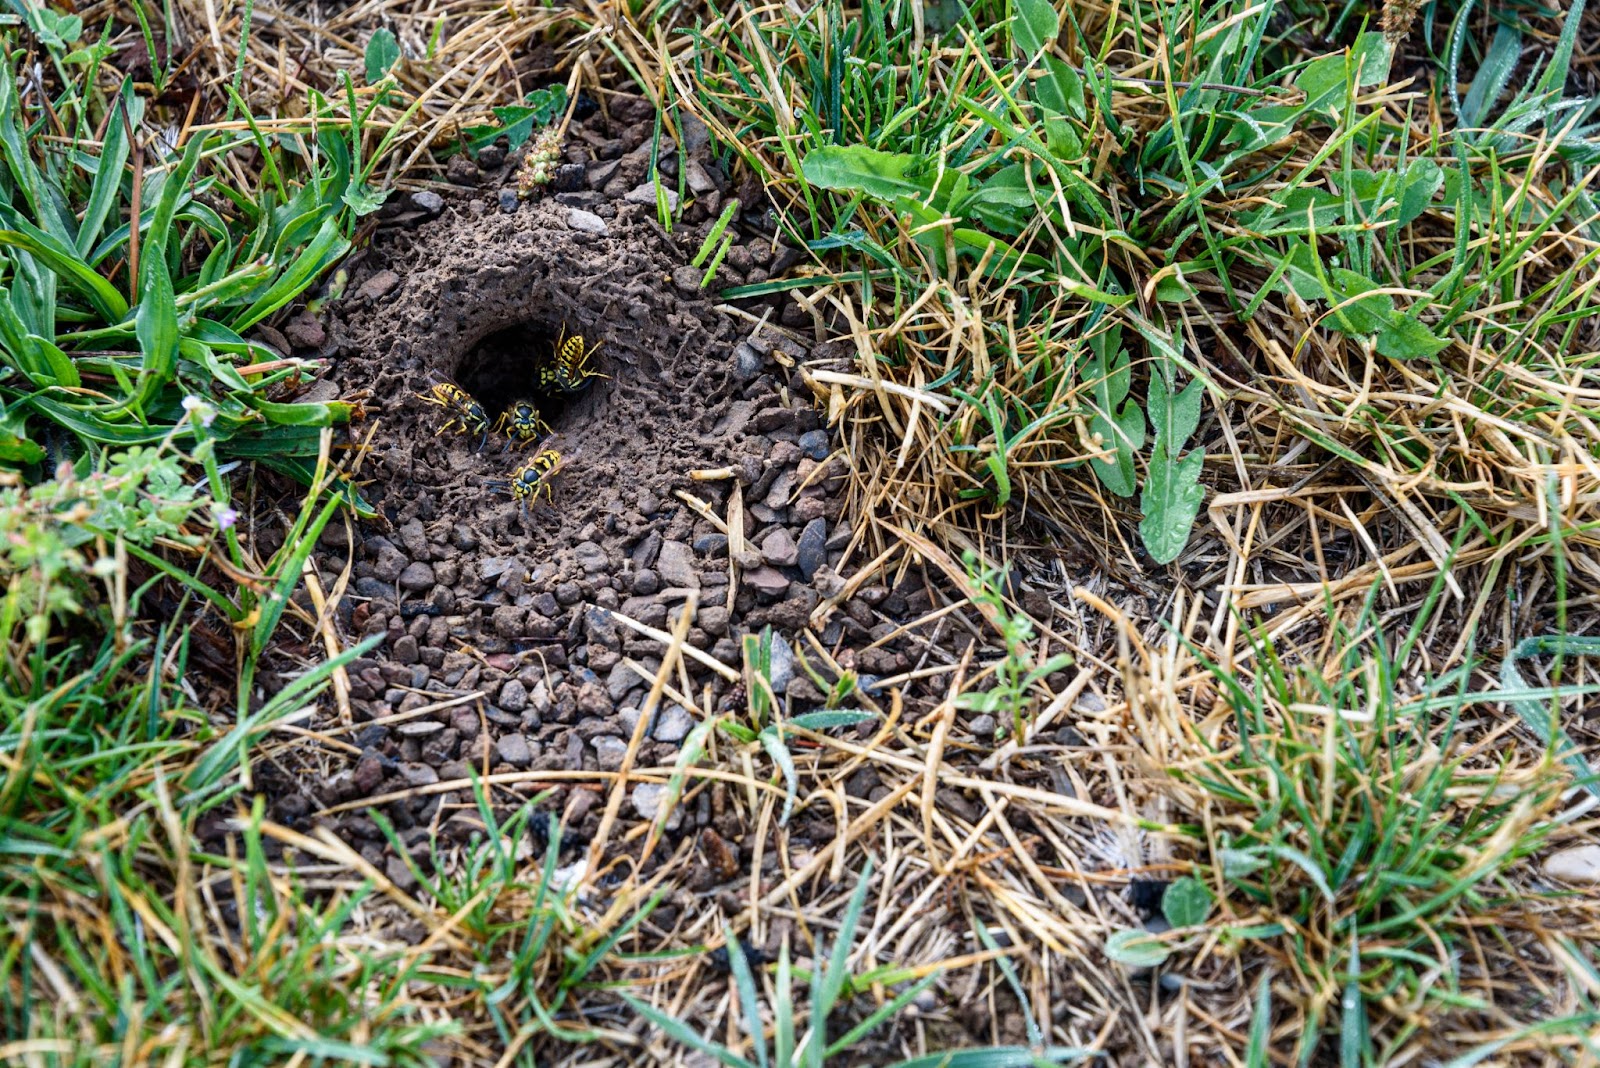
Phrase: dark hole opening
(503, 369)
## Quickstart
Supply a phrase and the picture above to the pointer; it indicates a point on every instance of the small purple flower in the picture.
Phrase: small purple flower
(226, 517)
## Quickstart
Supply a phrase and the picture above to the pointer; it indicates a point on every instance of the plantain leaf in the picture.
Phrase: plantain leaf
(1170, 501)
(859, 169)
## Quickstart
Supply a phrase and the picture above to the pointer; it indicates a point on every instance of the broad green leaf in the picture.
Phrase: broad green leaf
(1404, 338)
(1173, 417)
(1137, 949)
(1326, 81)
(314, 413)
(156, 323)
(60, 364)
(1115, 421)
(69, 266)
(55, 29)
(1170, 502)
(517, 121)
(859, 169)
(1423, 179)
(18, 450)
(324, 251)
(1034, 25)
(363, 199)
(383, 52)
(1061, 89)
(107, 188)
(1361, 315)
(1187, 902)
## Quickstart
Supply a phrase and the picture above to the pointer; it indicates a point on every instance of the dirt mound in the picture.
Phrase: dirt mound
(479, 299)
(510, 644)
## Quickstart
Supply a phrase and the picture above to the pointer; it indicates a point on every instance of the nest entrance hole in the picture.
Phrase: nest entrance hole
(503, 368)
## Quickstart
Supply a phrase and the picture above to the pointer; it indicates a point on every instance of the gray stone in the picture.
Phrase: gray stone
(610, 751)
(419, 728)
(591, 557)
(400, 874)
(492, 567)
(648, 797)
(747, 362)
(570, 178)
(982, 726)
(620, 681)
(509, 201)
(781, 669)
(367, 775)
(513, 696)
(696, 135)
(379, 285)
(427, 200)
(645, 193)
(508, 620)
(405, 649)
(1580, 864)
(646, 582)
(513, 749)
(417, 577)
(766, 580)
(676, 565)
(418, 774)
(644, 554)
(586, 221)
(713, 619)
(812, 550)
(781, 490)
(700, 183)
(673, 724)
(389, 564)
(710, 544)
(814, 443)
(778, 548)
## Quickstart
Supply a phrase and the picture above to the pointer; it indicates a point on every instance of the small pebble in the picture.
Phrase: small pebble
(747, 362)
(509, 201)
(646, 582)
(676, 565)
(648, 797)
(766, 580)
(513, 696)
(814, 443)
(610, 751)
(812, 549)
(778, 548)
(645, 193)
(782, 665)
(513, 749)
(427, 200)
(710, 544)
(416, 577)
(586, 222)
(1580, 864)
(673, 724)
